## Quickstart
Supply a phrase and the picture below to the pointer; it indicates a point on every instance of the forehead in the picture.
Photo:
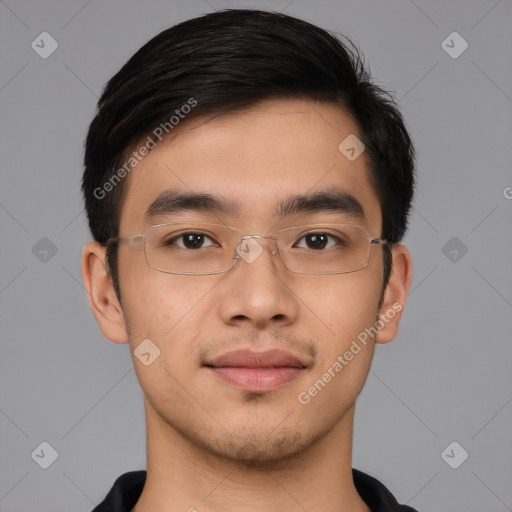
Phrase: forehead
(254, 159)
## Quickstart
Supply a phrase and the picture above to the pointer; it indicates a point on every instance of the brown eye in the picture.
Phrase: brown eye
(317, 240)
(193, 240)
(190, 241)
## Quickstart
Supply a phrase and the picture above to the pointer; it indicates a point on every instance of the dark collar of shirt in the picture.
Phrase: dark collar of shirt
(128, 487)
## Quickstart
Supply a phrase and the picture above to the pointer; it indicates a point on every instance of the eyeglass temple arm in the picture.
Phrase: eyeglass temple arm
(130, 240)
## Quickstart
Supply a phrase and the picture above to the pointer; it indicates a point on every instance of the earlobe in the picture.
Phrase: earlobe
(101, 295)
(395, 294)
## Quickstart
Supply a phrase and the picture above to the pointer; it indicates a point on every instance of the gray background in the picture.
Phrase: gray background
(445, 378)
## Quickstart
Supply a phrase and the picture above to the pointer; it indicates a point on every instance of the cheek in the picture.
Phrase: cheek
(162, 310)
(346, 303)
(171, 311)
(161, 305)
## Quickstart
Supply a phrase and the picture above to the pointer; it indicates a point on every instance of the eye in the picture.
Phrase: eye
(190, 241)
(319, 241)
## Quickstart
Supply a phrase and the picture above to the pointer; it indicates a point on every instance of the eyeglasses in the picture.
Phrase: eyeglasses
(201, 248)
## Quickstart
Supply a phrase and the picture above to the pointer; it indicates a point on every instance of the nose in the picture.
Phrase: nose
(256, 291)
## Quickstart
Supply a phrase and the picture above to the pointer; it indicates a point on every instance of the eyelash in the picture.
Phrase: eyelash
(172, 241)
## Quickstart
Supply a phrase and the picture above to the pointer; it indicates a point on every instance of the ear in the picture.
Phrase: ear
(395, 294)
(100, 291)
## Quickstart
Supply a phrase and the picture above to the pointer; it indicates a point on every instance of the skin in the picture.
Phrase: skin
(210, 445)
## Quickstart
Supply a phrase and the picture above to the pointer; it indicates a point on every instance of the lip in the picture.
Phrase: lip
(250, 359)
(257, 371)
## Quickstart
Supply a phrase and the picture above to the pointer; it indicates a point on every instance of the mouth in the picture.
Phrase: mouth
(257, 371)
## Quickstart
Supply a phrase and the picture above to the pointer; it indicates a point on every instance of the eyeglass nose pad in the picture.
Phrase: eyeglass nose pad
(249, 249)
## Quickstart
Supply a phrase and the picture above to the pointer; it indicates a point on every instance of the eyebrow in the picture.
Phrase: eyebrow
(334, 200)
(176, 201)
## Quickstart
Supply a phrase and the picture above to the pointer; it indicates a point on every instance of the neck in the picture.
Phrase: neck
(184, 477)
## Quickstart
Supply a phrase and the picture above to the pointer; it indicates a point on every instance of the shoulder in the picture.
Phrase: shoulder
(376, 495)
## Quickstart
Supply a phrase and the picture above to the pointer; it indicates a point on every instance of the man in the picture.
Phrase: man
(247, 186)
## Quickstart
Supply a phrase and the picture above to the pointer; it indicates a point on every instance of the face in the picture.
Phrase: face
(255, 161)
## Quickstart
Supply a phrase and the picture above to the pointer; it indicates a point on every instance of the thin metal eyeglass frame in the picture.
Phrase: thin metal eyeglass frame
(142, 238)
